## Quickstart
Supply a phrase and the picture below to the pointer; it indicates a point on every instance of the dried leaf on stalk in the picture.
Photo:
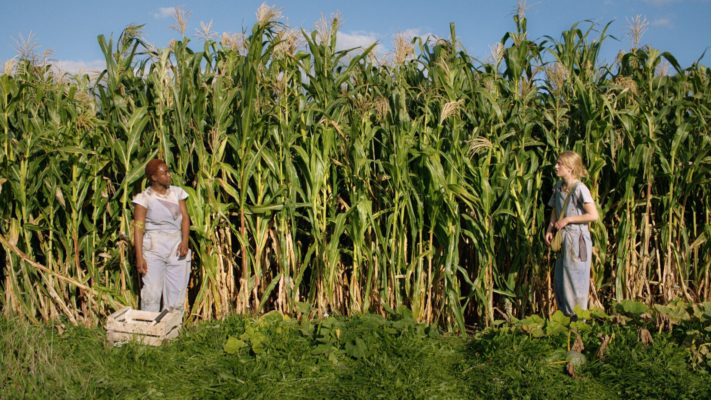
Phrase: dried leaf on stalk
(606, 339)
(645, 337)
(570, 369)
(578, 345)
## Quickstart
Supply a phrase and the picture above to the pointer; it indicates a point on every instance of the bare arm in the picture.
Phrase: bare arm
(589, 215)
(139, 222)
(549, 229)
(184, 230)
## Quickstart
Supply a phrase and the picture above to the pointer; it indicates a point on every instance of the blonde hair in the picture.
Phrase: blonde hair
(573, 161)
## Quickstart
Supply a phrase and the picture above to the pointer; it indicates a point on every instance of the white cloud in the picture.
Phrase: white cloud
(384, 44)
(661, 23)
(359, 39)
(409, 34)
(412, 32)
(165, 12)
(79, 67)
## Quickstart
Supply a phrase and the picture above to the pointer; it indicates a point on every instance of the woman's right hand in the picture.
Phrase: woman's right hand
(141, 265)
(549, 238)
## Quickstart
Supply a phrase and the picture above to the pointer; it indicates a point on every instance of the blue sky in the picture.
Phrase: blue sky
(69, 28)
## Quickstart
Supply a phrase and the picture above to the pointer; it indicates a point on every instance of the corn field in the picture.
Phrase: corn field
(323, 181)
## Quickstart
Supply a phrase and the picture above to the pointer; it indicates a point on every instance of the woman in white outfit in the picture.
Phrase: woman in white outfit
(161, 230)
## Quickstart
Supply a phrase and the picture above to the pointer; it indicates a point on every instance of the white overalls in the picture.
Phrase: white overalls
(167, 274)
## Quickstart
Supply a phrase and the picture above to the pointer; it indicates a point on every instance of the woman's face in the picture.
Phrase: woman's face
(562, 170)
(162, 175)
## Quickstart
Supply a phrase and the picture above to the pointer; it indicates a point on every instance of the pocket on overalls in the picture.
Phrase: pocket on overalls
(582, 248)
(147, 242)
(188, 257)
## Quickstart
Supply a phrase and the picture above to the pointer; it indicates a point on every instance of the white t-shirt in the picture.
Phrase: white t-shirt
(163, 211)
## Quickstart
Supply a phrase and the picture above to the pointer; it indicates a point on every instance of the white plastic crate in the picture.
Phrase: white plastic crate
(151, 328)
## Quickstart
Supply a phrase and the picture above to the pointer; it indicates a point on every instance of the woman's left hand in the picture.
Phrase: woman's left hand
(561, 223)
(183, 249)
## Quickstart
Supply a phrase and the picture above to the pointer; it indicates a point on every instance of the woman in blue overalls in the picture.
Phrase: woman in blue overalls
(161, 230)
(571, 281)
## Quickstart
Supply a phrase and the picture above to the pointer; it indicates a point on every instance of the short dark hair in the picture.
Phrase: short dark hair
(152, 167)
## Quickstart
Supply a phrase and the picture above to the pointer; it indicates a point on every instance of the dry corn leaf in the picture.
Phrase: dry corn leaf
(578, 345)
(606, 339)
(645, 337)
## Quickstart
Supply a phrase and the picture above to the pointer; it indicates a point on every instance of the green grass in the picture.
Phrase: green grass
(517, 366)
(364, 357)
